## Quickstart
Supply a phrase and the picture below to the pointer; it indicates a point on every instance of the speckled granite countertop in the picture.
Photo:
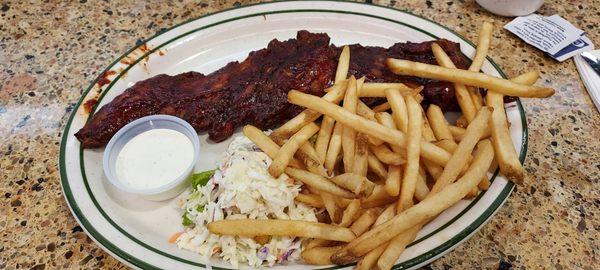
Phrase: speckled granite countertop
(49, 52)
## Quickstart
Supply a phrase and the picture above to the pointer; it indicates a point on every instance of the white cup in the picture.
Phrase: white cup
(511, 8)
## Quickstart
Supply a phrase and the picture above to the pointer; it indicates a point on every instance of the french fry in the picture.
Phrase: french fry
(319, 243)
(369, 260)
(476, 97)
(392, 182)
(278, 227)
(503, 86)
(310, 199)
(318, 182)
(378, 89)
(348, 133)
(462, 93)
(335, 146)
(330, 203)
(399, 109)
(350, 213)
(334, 94)
(385, 155)
(365, 220)
(356, 183)
(411, 170)
(424, 210)
(309, 157)
(439, 124)
(318, 255)
(343, 65)
(387, 120)
(483, 45)
(506, 155)
(266, 144)
(361, 155)
(382, 107)
(459, 132)
(386, 215)
(395, 247)
(366, 112)
(323, 138)
(448, 145)
(379, 197)
(287, 151)
(428, 150)
(376, 166)
(421, 189)
(461, 156)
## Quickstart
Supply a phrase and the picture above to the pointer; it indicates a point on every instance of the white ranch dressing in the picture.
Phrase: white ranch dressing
(154, 158)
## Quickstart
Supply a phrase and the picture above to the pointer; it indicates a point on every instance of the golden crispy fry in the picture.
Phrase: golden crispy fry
(365, 220)
(495, 84)
(379, 197)
(385, 155)
(411, 170)
(358, 184)
(506, 155)
(462, 93)
(459, 132)
(366, 112)
(309, 157)
(387, 120)
(395, 247)
(369, 260)
(399, 109)
(421, 189)
(461, 156)
(330, 203)
(350, 213)
(376, 166)
(335, 94)
(361, 155)
(429, 151)
(318, 255)
(335, 146)
(311, 200)
(392, 182)
(266, 144)
(476, 97)
(439, 124)
(386, 215)
(382, 107)
(419, 213)
(287, 151)
(528, 78)
(448, 145)
(343, 65)
(483, 45)
(428, 134)
(378, 89)
(324, 137)
(318, 182)
(277, 227)
(472, 193)
(348, 133)
(319, 243)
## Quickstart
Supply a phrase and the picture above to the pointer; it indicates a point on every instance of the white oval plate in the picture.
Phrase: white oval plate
(135, 231)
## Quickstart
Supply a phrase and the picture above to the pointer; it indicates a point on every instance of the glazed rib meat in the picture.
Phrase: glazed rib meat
(254, 91)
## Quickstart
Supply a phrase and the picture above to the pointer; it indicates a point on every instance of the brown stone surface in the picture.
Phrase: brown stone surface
(51, 51)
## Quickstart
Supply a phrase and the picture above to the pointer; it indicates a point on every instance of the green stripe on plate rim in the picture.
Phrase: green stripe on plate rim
(139, 263)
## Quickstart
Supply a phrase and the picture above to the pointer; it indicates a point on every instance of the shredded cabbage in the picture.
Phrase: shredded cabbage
(241, 188)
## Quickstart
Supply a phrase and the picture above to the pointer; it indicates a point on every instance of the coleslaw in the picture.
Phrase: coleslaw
(241, 188)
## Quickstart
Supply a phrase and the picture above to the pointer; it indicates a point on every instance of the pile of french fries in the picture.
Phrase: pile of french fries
(382, 173)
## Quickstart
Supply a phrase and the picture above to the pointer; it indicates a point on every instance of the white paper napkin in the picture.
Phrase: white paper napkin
(590, 79)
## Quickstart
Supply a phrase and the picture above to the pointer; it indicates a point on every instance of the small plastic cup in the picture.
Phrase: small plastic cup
(172, 188)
